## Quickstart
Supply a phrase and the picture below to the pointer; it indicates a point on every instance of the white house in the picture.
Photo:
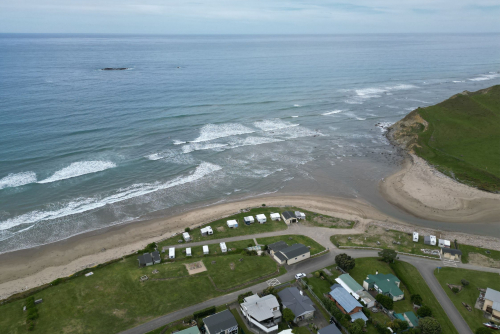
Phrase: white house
(275, 216)
(263, 313)
(186, 236)
(415, 236)
(249, 220)
(171, 253)
(300, 215)
(207, 231)
(205, 250)
(261, 218)
(232, 224)
(444, 243)
(223, 247)
(188, 251)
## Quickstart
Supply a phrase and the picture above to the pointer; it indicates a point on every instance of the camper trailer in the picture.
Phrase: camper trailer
(171, 253)
(430, 240)
(205, 250)
(261, 218)
(415, 236)
(186, 236)
(232, 224)
(300, 215)
(206, 231)
(444, 243)
(249, 220)
(188, 251)
(223, 247)
(275, 216)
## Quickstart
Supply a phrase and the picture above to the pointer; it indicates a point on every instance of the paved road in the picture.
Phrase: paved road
(425, 266)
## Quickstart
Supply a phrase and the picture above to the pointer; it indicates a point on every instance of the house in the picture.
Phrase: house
(249, 220)
(232, 224)
(223, 247)
(188, 251)
(289, 217)
(444, 243)
(205, 250)
(156, 257)
(330, 329)
(186, 236)
(492, 303)
(430, 240)
(206, 231)
(171, 253)
(415, 236)
(301, 305)
(366, 298)
(409, 317)
(145, 260)
(300, 215)
(275, 216)
(348, 283)
(451, 254)
(347, 303)
(261, 218)
(292, 254)
(263, 313)
(221, 323)
(277, 246)
(386, 284)
(190, 330)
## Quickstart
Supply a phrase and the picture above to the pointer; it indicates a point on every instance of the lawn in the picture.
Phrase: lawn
(222, 231)
(214, 249)
(320, 220)
(113, 299)
(462, 138)
(490, 254)
(470, 293)
(375, 234)
(293, 239)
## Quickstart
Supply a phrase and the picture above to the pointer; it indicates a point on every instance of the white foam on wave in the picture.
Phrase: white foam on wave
(296, 105)
(81, 205)
(191, 147)
(353, 115)
(78, 169)
(384, 126)
(484, 77)
(295, 116)
(179, 142)
(154, 156)
(332, 112)
(19, 179)
(214, 131)
(252, 141)
(273, 124)
(374, 92)
(458, 81)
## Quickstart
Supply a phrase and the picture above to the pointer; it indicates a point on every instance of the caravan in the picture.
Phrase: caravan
(249, 220)
(232, 224)
(415, 236)
(171, 253)
(261, 218)
(223, 247)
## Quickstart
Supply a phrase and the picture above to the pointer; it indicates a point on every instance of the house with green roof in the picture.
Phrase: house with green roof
(386, 284)
(190, 330)
(349, 284)
(409, 317)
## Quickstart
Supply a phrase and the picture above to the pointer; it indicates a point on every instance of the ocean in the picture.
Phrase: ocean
(197, 120)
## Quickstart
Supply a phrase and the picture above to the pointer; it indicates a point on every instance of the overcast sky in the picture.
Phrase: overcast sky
(249, 16)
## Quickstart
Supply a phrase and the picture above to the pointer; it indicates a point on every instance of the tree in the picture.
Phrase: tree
(429, 325)
(385, 301)
(288, 315)
(464, 282)
(424, 311)
(483, 330)
(388, 255)
(345, 262)
(416, 299)
(455, 290)
(356, 328)
(270, 290)
(398, 325)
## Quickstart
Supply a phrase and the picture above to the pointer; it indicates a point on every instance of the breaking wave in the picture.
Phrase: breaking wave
(78, 169)
(332, 112)
(273, 124)
(213, 131)
(16, 180)
(485, 77)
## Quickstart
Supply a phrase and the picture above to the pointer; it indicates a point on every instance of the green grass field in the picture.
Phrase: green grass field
(466, 250)
(462, 139)
(376, 234)
(113, 299)
(470, 293)
(293, 239)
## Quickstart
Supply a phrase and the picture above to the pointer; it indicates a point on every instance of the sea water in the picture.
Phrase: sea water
(196, 120)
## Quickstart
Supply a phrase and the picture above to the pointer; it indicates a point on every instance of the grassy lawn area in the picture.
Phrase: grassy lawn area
(293, 239)
(320, 220)
(472, 254)
(301, 330)
(113, 299)
(319, 286)
(375, 234)
(470, 293)
(214, 249)
(222, 231)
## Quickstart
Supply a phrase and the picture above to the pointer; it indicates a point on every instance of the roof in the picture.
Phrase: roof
(452, 251)
(275, 215)
(365, 295)
(386, 283)
(185, 235)
(280, 256)
(261, 216)
(261, 308)
(277, 246)
(223, 245)
(350, 282)
(141, 260)
(220, 321)
(331, 329)
(400, 316)
(294, 251)
(147, 257)
(156, 256)
(492, 295)
(292, 299)
(358, 315)
(190, 330)
(249, 218)
(344, 299)
(288, 214)
(412, 317)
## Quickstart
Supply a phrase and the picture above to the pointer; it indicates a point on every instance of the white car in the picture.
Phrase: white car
(300, 275)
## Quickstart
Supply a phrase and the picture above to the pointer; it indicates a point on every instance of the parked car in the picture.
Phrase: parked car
(491, 325)
(300, 275)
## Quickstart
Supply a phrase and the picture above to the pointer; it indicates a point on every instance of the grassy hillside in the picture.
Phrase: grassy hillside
(459, 136)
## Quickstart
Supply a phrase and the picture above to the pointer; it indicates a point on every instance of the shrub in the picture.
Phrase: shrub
(424, 311)
(149, 248)
(388, 255)
(483, 330)
(345, 262)
(56, 281)
(316, 274)
(263, 205)
(464, 282)
(429, 325)
(288, 315)
(416, 299)
(385, 301)
(455, 290)
(187, 229)
(205, 312)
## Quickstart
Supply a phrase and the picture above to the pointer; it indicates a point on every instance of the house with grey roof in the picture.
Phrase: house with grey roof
(145, 260)
(301, 305)
(289, 217)
(221, 323)
(156, 257)
(331, 329)
(451, 254)
(276, 247)
(262, 312)
(492, 303)
(296, 253)
(346, 302)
